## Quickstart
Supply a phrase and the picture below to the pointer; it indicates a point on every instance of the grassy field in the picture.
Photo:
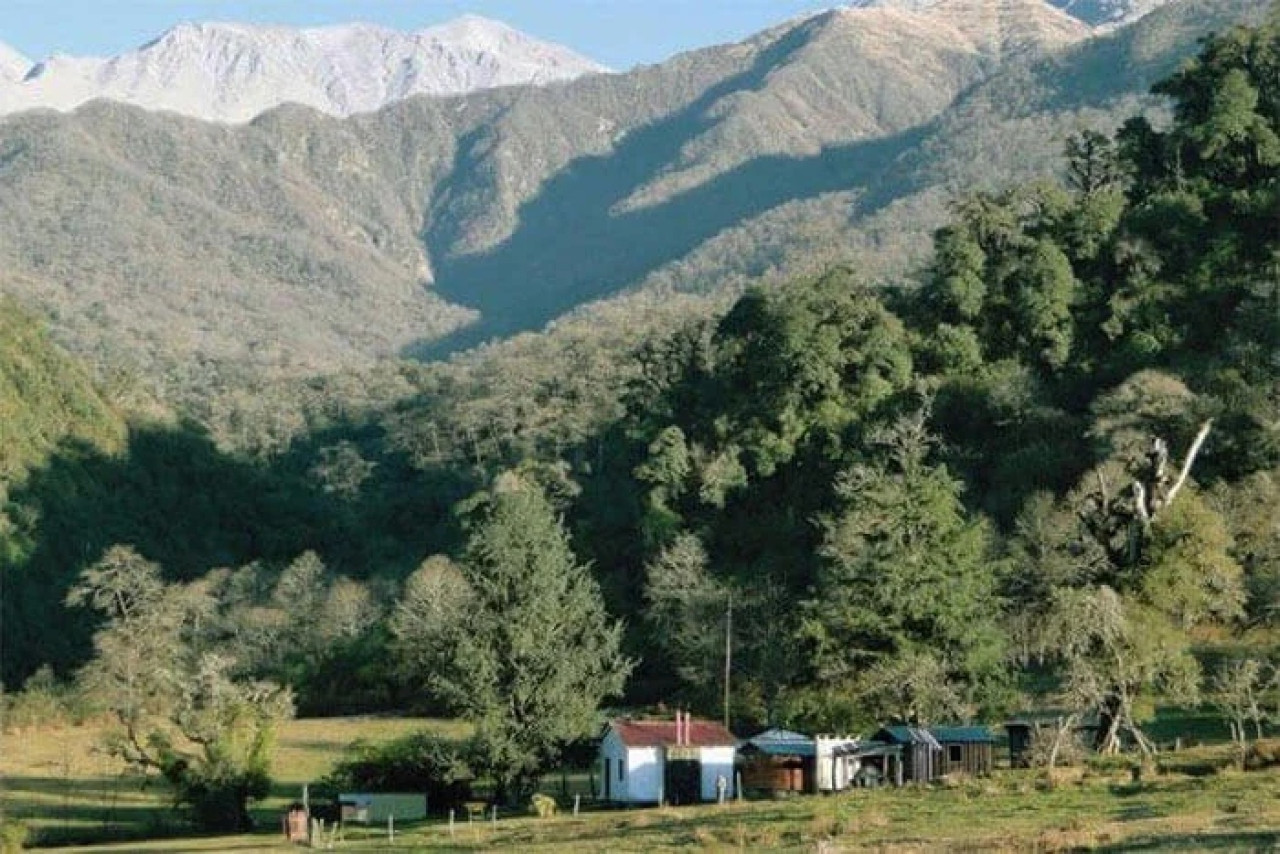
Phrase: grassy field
(56, 781)
(1013, 811)
(65, 788)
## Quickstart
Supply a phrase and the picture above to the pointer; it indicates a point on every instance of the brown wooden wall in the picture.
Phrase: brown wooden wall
(973, 758)
(778, 774)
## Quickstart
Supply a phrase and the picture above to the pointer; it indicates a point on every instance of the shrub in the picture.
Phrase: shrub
(543, 806)
(1200, 763)
(1071, 751)
(1262, 754)
(219, 794)
(1049, 779)
(1109, 762)
(421, 762)
(43, 701)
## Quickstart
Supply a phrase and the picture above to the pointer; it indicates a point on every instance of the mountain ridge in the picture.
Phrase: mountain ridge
(13, 65)
(1103, 14)
(231, 72)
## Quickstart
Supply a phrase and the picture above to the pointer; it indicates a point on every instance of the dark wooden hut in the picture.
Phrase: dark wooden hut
(1021, 738)
(966, 749)
(922, 757)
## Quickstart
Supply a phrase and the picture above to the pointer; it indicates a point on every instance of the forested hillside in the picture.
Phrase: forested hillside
(828, 453)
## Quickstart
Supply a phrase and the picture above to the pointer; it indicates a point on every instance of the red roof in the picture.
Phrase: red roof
(663, 733)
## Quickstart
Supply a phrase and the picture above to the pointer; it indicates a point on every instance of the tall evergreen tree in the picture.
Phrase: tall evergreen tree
(533, 655)
(908, 574)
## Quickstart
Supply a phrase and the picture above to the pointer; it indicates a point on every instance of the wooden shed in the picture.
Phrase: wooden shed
(1021, 735)
(922, 757)
(966, 749)
(778, 760)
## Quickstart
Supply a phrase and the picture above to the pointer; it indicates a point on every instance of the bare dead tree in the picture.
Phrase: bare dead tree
(1121, 521)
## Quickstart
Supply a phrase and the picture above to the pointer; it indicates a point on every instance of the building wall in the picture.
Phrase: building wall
(612, 749)
(922, 763)
(644, 774)
(717, 761)
(975, 758)
(778, 774)
(641, 778)
(833, 772)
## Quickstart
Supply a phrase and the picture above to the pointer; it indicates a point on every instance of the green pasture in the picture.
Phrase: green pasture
(1013, 811)
(60, 783)
(1194, 800)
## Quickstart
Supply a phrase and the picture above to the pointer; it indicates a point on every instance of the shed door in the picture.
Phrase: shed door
(682, 781)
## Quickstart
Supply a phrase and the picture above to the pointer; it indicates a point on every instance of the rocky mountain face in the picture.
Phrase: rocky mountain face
(13, 65)
(233, 72)
(1108, 13)
(302, 243)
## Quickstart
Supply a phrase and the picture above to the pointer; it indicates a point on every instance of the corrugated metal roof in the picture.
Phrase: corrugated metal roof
(936, 734)
(781, 742)
(781, 748)
(962, 734)
(650, 733)
(907, 735)
(777, 734)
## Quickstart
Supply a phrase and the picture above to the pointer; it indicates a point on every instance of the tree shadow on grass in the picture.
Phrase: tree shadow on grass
(1257, 840)
(79, 809)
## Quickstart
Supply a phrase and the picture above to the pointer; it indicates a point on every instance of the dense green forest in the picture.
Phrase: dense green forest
(1045, 471)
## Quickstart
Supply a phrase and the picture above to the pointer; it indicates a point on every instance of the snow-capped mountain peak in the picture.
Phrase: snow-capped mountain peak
(232, 72)
(13, 65)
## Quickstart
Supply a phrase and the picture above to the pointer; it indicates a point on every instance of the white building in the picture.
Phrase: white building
(675, 762)
(836, 762)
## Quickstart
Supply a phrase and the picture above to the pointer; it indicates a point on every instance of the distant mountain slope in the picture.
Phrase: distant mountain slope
(1109, 13)
(1095, 13)
(13, 65)
(233, 72)
(299, 243)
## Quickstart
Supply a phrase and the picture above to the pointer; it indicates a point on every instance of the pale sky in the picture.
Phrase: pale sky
(618, 33)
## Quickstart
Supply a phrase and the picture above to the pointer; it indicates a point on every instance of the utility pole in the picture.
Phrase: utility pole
(728, 655)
